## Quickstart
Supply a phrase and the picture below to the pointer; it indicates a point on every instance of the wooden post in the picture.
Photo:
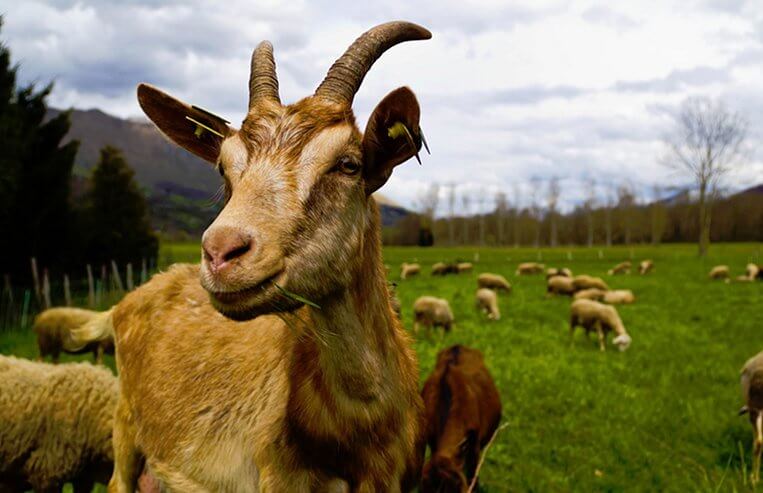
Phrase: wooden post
(117, 277)
(25, 308)
(143, 271)
(67, 291)
(46, 288)
(104, 277)
(10, 310)
(129, 276)
(7, 287)
(36, 280)
(98, 293)
(90, 287)
(601, 254)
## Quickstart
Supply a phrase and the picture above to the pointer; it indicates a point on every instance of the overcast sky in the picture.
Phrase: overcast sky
(512, 93)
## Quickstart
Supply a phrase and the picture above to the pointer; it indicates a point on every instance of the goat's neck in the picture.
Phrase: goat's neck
(354, 331)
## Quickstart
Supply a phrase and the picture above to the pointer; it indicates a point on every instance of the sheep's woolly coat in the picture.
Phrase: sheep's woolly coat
(54, 326)
(719, 272)
(595, 294)
(592, 316)
(619, 297)
(432, 312)
(621, 268)
(584, 281)
(408, 270)
(55, 425)
(529, 268)
(487, 301)
(560, 285)
(493, 281)
(645, 267)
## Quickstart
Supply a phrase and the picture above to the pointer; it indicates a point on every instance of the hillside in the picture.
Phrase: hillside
(180, 186)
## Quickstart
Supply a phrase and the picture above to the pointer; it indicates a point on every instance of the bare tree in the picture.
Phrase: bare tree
(610, 197)
(481, 197)
(428, 202)
(466, 203)
(552, 201)
(451, 196)
(706, 143)
(517, 213)
(589, 206)
(501, 208)
(657, 215)
(535, 209)
(626, 201)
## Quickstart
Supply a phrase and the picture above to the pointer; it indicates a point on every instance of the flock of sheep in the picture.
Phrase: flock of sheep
(57, 419)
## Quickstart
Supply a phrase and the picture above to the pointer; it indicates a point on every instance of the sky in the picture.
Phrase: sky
(512, 92)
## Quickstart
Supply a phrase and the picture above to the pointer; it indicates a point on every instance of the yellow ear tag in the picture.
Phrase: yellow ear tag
(200, 128)
(398, 129)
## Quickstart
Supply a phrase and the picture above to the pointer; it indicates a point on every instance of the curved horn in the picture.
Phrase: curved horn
(344, 77)
(263, 83)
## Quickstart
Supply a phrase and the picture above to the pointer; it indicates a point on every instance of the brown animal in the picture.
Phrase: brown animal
(54, 326)
(462, 410)
(287, 370)
(752, 391)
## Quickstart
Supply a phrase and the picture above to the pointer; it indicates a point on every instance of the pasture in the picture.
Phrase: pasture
(661, 416)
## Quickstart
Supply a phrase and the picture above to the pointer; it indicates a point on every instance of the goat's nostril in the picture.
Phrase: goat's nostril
(222, 245)
(237, 252)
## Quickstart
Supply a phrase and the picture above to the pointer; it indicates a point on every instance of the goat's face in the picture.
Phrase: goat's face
(298, 179)
(442, 475)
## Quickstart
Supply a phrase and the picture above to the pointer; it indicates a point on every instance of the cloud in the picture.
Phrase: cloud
(512, 93)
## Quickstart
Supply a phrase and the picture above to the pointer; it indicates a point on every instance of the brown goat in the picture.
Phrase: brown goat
(286, 369)
(462, 411)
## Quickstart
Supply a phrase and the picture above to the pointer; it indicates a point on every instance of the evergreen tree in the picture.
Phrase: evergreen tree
(35, 175)
(117, 221)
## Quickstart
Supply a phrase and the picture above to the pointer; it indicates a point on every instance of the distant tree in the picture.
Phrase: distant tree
(589, 206)
(481, 198)
(517, 214)
(626, 201)
(657, 215)
(428, 202)
(535, 210)
(705, 144)
(466, 202)
(610, 203)
(118, 226)
(552, 201)
(451, 197)
(501, 209)
(35, 175)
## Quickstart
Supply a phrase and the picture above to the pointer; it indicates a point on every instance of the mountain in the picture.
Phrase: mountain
(180, 186)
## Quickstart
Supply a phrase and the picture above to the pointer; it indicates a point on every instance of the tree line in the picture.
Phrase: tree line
(48, 213)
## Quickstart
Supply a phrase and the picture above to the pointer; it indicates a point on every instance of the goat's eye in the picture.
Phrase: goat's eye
(221, 170)
(347, 166)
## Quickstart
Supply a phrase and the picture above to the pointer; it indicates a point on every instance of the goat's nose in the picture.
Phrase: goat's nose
(223, 244)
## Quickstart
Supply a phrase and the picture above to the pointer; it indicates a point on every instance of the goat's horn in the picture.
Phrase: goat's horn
(263, 83)
(344, 77)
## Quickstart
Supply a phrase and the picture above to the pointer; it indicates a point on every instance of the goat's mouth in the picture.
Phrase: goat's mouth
(250, 301)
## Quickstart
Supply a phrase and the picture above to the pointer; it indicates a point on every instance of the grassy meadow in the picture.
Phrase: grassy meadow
(661, 416)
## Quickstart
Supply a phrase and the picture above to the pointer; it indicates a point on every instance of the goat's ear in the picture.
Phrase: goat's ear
(392, 136)
(191, 128)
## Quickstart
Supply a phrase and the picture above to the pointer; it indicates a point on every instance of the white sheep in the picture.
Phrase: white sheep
(465, 267)
(487, 302)
(409, 270)
(54, 326)
(752, 272)
(621, 268)
(560, 285)
(619, 297)
(584, 281)
(442, 269)
(553, 271)
(645, 267)
(595, 294)
(719, 272)
(432, 312)
(529, 268)
(595, 316)
(493, 281)
(55, 425)
(752, 391)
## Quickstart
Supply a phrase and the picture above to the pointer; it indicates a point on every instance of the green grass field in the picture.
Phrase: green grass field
(660, 417)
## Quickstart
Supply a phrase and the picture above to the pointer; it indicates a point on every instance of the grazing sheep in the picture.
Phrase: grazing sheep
(584, 281)
(752, 391)
(619, 297)
(432, 312)
(487, 301)
(409, 270)
(529, 268)
(55, 425)
(559, 285)
(493, 281)
(462, 410)
(595, 294)
(442, 269)
(645, 267)
(719, 272)
(553, 271)
(752, 272)
(595, 316)
(465, 266)
(54, 326)
(621, 268)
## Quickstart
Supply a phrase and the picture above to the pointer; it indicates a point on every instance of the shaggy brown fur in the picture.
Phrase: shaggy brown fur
(53, 328)
(463, 410)
(55, 425)
(752, 391)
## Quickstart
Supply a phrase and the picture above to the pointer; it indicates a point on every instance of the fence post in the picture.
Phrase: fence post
(46, 288)
(67, 291)
(601, 254)
(117, 278)
(90, 287)
(36, 280)
(25, 308)
(129, 276)
(143, 271)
